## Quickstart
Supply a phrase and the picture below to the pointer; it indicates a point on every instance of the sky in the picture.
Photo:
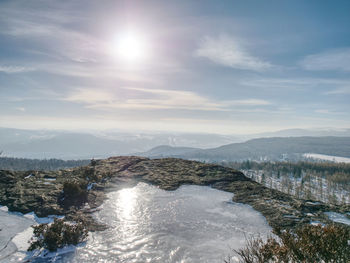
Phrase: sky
(222, 67)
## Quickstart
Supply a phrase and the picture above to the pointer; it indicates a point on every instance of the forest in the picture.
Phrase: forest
(23, 164)
(319, 181)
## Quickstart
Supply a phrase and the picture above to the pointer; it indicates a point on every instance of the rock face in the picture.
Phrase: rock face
(42, 192)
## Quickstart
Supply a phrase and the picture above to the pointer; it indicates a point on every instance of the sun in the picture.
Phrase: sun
(130, 46)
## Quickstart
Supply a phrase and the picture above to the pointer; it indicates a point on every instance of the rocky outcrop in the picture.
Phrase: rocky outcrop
(43, 192)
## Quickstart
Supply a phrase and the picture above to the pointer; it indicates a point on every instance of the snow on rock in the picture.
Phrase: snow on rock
(16, 232)
(339, 218)
(12, 224)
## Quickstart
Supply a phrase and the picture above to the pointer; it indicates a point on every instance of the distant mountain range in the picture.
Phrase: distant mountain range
(301, 132)
(77, 145)
(82, 145)
(260, 149)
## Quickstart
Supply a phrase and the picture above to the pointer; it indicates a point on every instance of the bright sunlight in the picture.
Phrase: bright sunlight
(130, 46)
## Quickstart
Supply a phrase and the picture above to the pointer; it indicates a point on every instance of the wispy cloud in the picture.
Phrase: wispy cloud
(342, 90)
(15, 69)
(51, 30)
(22, 109)
(250, 102)
(156, 99)
(77, 50)
(90, 96)
(335, 59)
(333, 85)
(227, 51)
(330, 112)
(70, 48)
(323, 111)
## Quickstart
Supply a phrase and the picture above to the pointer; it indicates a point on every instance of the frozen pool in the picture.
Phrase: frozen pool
(146, 224)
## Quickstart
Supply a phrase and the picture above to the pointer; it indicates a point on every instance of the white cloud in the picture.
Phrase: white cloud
(15, 69)
(250, 102)
(51, 31)
(330, 111)
(90, 96)
(155, 99)
(323, 111)
(22, 109)
(341, 91)
(228, 52)
(335, 86)
(335, 59)
(175, 99)
(77, 51)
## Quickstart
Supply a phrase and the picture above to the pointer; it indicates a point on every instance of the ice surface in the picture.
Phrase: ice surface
(16, 232)
(191, 224)
(11, 225)
(146, 224)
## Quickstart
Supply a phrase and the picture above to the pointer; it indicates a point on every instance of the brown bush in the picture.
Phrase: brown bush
(57, 235)
(306, 244)
(74, 193)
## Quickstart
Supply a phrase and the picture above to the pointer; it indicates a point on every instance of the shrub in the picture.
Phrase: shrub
(306, 244)
(90, 174)
(74, 193)
(57, 235)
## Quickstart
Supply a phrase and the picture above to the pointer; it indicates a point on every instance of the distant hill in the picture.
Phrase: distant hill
(263, 148)
(59, 144)
(302, 133)
(67, 146)
(79, 145)
(166, 150)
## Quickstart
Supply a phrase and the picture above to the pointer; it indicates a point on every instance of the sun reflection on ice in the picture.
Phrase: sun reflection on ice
(126, 203)
(128, 216)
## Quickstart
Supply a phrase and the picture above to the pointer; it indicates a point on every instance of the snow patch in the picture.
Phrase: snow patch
(21, 240)
(90, 186)
(42, 220)
(316, 223)
(50, 179)
(339, 218)
(17, 232)
(336, 159)
(28, 176)
(4, 208)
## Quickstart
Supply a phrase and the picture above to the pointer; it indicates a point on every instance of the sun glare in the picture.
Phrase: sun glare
(127, 201)
(130, 46)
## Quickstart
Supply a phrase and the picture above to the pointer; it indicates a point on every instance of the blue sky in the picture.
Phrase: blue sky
(205, 66)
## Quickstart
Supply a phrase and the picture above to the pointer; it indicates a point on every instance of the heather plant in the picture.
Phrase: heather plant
(307, 244)
(57, 235)
(74, 193)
